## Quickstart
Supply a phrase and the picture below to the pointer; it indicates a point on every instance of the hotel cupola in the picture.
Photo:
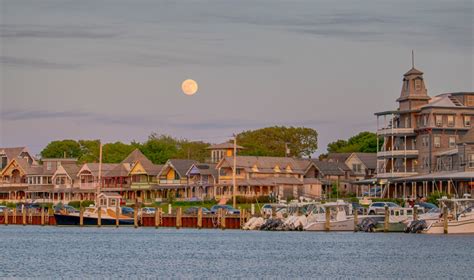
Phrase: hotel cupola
(414, 93)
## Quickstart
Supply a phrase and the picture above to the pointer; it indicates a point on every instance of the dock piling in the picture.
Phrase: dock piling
(117, 216)
(23, 213)
(157, 217)
(356, 220)
(169, 209)
(5, 213)
(199, 218)
(415, 213)
(178, 217)
(81, 216)
(327, 225)
(135, 217)
(386, 219)
(252, 209)
(99, 216)
(42, 216)
(223, 219)
(445, 220)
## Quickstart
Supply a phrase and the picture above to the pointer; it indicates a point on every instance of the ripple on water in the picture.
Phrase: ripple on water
(52, 252)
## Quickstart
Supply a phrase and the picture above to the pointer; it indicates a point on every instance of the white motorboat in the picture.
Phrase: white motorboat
(339, 219)
(460, 217)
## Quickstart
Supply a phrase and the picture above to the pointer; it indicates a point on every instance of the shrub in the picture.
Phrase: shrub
(433, 198)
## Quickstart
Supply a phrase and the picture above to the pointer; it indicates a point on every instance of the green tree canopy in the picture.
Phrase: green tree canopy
(116, 152)
(62, 148)
(270, 141)
(365, 142)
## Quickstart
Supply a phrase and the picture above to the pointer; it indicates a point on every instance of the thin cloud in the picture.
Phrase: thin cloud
(35, 63)
(54, 32)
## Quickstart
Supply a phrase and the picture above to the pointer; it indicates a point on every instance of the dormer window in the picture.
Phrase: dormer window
(288, 169)
(254, 168)
(451, 121)
(48, 165)
(467, 121)
(277, 168)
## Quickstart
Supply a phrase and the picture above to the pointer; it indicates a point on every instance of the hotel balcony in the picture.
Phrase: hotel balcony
(396, 131)
(397, 154)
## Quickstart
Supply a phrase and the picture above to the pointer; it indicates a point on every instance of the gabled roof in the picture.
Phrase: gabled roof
(12, 153)
(94, 168)
(204, 169)
(181, 166)
(135, 156)
(267, 164)
(413, 71)
(368, 159)
(330, 168)
(70, 170)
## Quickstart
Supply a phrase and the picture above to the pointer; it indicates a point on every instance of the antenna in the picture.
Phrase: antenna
(412, 59)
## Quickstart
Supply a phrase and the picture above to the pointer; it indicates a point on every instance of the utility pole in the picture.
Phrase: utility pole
(100, 175)
(234, 190)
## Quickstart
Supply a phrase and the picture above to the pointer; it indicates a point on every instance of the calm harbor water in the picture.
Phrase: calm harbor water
(70, 252)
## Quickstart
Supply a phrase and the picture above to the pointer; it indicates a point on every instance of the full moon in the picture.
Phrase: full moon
(189, 87)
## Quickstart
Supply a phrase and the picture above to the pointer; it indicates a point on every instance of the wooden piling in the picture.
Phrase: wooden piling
(117, 216)
(223, 219)
(386, 219)
(99, 216)
(445, 220)
(178, 217)
(5, 213)
(14, 217)
(199, 218)
(169, 209)
(42, 216)
(135, 217)
(415, 213)
(81, 216)
(23, 213)
(356, 219)
(327, 224)
(157, 217)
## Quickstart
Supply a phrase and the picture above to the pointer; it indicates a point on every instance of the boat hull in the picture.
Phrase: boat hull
(346, 225)
(72, 220)
(454, 227)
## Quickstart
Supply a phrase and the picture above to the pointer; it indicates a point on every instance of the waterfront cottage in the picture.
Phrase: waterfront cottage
(284, 177)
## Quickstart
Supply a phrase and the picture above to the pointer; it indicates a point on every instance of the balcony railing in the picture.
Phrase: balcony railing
(173, 182)
(396, 174)
(398, 153)
(396, 131)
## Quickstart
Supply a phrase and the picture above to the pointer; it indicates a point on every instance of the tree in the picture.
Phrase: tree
(271, 141)
(159, 148)
(195, 150)
(62, 148)
(116, 152)
(89, 150)
(365, 142)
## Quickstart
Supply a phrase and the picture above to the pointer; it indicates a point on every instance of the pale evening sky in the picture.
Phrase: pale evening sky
(113, 69)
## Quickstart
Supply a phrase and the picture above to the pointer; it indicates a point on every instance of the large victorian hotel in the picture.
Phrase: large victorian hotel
(428, 142)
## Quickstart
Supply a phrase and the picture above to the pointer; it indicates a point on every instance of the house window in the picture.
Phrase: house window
(450, 120)
(3, 162)
(437, 142)
(467, 121)
(48, 165)
(237, 171)
(439, 120)
(406, 85)
(357, 167)
(471, 160)
(452, 141)
(424, 141)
